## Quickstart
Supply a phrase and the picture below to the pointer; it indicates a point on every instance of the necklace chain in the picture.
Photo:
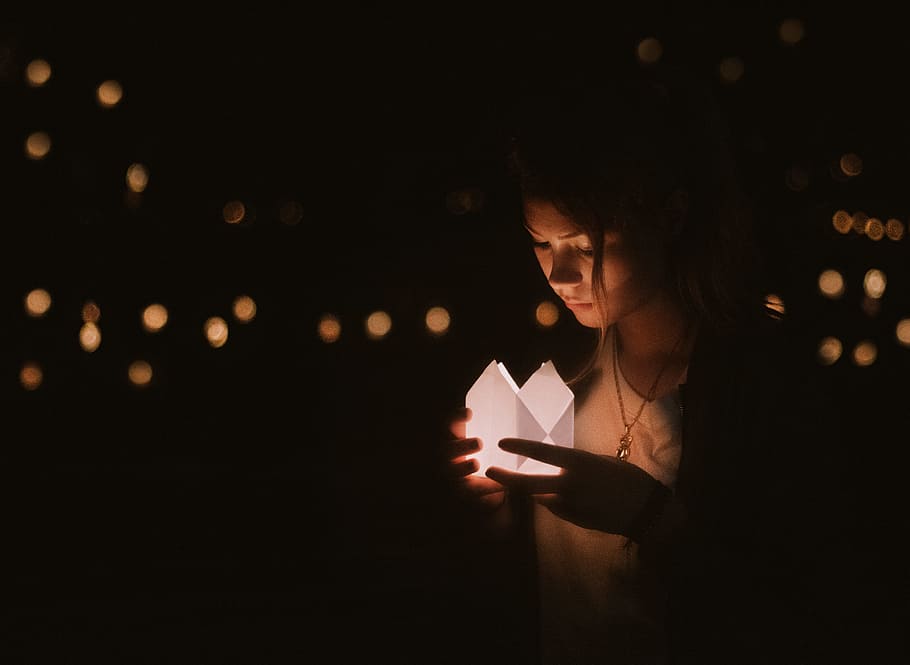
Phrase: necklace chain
(625, 441)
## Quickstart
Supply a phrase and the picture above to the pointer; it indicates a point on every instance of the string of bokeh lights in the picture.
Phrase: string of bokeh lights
(377, 325)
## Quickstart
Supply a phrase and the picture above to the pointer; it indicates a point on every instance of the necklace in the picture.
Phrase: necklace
(625, 441)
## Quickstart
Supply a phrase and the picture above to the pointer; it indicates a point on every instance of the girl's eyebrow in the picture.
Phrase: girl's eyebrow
(564, 236)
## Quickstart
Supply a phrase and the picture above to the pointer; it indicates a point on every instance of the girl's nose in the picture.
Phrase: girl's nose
(565, 271)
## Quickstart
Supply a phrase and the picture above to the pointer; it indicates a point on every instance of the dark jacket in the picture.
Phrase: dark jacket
(757, 576)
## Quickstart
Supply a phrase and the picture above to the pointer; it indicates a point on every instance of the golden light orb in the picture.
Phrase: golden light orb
(31, 376)
(649, 50)
(140, 373)
(37, 72)
(109, 93)
(546, 314)
(244, 308)
(37, 302)
(329, 328)
(865, 353)
(216, 331)
(37, 145)
(831, 284)
(154, 317)
(233, 212)
(378, 325)
(829, 350)
(437, 321)
(89, 337)
(137, 178)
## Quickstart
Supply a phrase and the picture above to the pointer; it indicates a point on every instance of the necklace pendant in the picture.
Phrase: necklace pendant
(625, 443)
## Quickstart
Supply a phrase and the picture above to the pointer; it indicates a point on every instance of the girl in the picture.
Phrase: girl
(687, 523)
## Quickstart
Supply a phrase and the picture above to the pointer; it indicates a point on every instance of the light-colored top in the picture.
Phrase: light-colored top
(598, 604)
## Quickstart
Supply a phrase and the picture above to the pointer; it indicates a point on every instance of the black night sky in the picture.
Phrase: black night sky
(277, 496)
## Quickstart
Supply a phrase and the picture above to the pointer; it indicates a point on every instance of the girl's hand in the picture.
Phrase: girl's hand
(592, 491)
(485, 493)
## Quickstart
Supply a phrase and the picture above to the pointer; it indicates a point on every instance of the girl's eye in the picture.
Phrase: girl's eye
(541, 245)
(586, 251)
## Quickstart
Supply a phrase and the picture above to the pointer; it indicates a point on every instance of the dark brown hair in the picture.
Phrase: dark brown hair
(610, 155)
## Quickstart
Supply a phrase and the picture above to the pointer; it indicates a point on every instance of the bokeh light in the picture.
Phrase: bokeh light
(649, 50)
(137, 178)
(109, 93)
(894, 229)
(731, 69)
(233, 212)
(31, 376)
(851, 164)
(831, 283)
(546, 314)
(829, 350)
(37, 145)
(902, 331)
(154, 317)
(378, 325)
(776, 303)
(865, 353)
(874, 283)
(91, 313)
(244, 308)
(37, 302)
(843, 221)
(437, 321)
(791, 31)
(37, 72)
(140, 373)
(216, 331)
(89, 336)
(859, 221)
(874, 228)
(329, 328)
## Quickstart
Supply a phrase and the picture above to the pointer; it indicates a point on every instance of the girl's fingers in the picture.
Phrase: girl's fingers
(462, 447)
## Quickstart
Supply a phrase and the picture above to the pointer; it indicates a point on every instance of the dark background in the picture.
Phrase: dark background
(277, 496)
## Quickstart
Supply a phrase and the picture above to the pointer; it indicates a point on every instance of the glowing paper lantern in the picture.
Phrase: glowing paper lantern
(543, 409)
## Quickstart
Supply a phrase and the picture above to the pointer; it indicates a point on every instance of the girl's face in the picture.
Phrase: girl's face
(566, 256)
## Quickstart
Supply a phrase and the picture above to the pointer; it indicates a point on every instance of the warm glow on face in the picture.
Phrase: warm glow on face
(154, 317)
(775, 302)
(37, 145)
(216, 331)
(31, 376)
(244, 309)
(831, 284)
(791, 31)
(851, 164)
(829, 350)
(378, 325)
(109, 93)
(731, 69)
(842, 221)
(37, 73)
(290, 213)
(329, 328)
(874, 228)
(37, 302)
(89, 337)
(91, 313)
(902, 332)
(649, 50)
(859, 221)
(137, 178)
(437, 321)
(894, 229)
(140, 373)
(234, 212)
(874, 283)
(546, 314)
(865, 353)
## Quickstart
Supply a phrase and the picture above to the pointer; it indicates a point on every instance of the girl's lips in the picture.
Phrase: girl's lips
(578, 305)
